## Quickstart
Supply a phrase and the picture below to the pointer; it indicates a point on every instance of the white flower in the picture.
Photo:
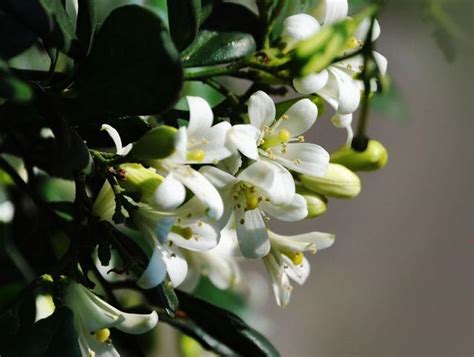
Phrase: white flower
(218, 264)
(280, 139)
(263, 189)
(286, 260)
(336, 84)
(93, 317)
(119, 149)
(7, 211)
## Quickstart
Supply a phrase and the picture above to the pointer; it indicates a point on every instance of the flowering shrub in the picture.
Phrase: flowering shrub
(133, 165)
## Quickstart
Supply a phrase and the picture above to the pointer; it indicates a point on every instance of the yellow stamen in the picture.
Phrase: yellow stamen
(296, 257)
(102, 335)
(196, 155)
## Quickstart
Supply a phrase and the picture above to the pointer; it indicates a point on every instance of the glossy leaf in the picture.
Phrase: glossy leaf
(86, 23)
(12, 88)
(212, 47)
(54, 336)
(133, 67)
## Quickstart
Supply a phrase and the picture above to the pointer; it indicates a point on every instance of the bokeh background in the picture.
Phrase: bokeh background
(398, 281)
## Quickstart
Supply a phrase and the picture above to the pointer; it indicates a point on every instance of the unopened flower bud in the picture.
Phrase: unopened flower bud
(158, 143)
(316, 203)
(338, 182)
(374, 157)
(135, 178)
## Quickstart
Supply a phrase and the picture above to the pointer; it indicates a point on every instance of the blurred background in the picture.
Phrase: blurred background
(398, 281)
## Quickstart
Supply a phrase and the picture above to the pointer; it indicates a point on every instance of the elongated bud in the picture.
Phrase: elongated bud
(316, 203)
(158, 143)
(374, 157)
(135, 178)
(338, 182)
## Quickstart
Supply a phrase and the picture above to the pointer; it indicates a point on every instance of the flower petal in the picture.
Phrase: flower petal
(304, 158)
(381, 61)
(300, 117)
(200, 117)
(363, 29)
(202, 188)
(280, 282)
(176, 265)
(297, 28)
(252, 234)
(270, 178)
(155, 271)
(243, 137)
(170, 194)
(330, 11)
(7, 211)
(205, 236)
(136, 324)
(261, 110)
(231, 164)
(341, 91)
(217, 177)
(298, 273)
(311, 83)
(295, 211)
(214, 143)
(311, 241)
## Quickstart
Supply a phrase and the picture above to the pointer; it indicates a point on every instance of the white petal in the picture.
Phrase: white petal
(113, 133)
(176, 265)
(363, 29)
(342, 120)
(222, 270)
(280, 282)
(181, 146)
(214, 146)
(200, 117)
(219, 178)
(231, 164)
(298, 273)
(243, 137)
(381, 61)
(170, 194)
(295, 211)
(304, 158)
(252, 234)
(341, 91)
(155, 271)
(202, 188)
(311, 83)
(300, 117)
(261, 110)
(7, 210)
(136, 324)
(299, 27)
(204, 236)
(330, 11)
(270, 178)
(311, 241)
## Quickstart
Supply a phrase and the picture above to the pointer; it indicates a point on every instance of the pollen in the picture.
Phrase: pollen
(102, 335)
(297, 161)
(196, 155)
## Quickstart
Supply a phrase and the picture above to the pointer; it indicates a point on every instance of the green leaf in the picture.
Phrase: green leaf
(54, 336)
(12, 88)
(133, 67)
(222, 326)
(212, 47)
(11, 46)
(45, 18)
(86, 23)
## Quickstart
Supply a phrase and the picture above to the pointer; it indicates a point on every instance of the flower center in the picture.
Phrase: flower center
(295, 257)
(195, 155)
(247, 197)
(282, 137)
(102, 335)
(186, 232)
(353, 43)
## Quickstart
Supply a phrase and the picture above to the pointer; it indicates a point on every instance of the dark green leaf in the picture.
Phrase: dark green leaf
(54, 336)
(86, 23)
(133, 67)
(183, 17)
(224, 327)
(10, 45)
(46, 18)
(212, 47)
(12, 88)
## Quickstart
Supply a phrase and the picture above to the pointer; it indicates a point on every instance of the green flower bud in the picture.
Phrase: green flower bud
(158, 143)
(135, 178)
(338, 182)
(374, 157)
(316, 203)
